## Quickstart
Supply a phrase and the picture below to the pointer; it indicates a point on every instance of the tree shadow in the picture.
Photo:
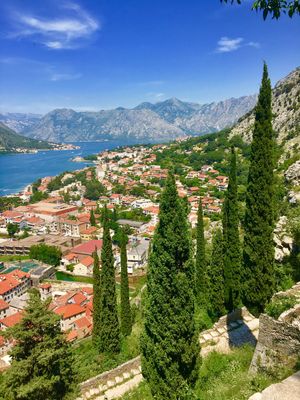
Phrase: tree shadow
(238, 330)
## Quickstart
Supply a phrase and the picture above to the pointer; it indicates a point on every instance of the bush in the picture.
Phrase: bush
(278, 305)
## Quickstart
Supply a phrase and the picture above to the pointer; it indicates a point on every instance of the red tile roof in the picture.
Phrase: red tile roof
(11, 320)
(87, 248)
(69, 310)
(3, 305)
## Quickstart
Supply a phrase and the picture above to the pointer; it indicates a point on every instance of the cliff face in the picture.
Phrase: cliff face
(286, 110)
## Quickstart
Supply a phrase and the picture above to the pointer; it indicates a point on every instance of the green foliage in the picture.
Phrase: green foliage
(96, 300)
(223, 377)
(41, 367)
(48, 254)
(7, 203)
(201, 283)
(232, 250)
(92, 218)
(38, 196)
(12, 229)
(109, 335)
(273, 7)
(280, 304)
(169, 343)
(216, 277)
(259, 282)
(94, 189)
(126, 320)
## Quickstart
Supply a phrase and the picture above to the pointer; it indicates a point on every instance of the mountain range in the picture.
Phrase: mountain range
(149, 122)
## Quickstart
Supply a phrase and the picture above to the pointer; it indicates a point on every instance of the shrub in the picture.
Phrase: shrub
(278, 305)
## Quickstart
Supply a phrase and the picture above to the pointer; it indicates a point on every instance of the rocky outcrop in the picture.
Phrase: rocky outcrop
(278, 340)
(288, 389)
(292, 174)
(282, 240)
(286, 111)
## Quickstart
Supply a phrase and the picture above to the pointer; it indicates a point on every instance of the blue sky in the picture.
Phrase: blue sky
(95, 54)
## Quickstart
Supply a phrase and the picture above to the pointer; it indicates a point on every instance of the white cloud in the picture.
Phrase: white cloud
(66, 32)
(227, 45)
(64, 77)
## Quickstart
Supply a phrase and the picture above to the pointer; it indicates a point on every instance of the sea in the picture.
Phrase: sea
(18, 170)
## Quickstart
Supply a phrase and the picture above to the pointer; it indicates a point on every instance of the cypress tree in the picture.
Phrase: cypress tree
(169, 343)
(258, 251)
(126, 321)
(200, 264)
(92, 218)
(41, 366)
(96, 300)
(232, 249)
(216, 276)
(109, 336)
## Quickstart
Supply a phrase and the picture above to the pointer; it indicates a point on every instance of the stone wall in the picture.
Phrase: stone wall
(100, 384)
(278, 343)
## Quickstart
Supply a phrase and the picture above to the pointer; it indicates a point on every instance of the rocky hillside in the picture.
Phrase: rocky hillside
(286, 109)
(11, 141)
(147, 122)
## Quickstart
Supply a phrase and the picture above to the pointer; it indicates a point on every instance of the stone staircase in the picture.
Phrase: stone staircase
(113, 384)
(232, 330)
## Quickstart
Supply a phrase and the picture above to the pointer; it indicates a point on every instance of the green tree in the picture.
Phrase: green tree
(109, 324)
(169, 343)
(200, 264)
(96, 300)
(258, 251)
(273, 7)
(216, 276)
(48, 254)
(41, 367)
(92, 218)
(126, 319)
(232, 248)
(12, 229)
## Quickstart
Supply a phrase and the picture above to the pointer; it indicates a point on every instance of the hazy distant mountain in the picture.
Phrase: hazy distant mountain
(147, 122)
(19, 121)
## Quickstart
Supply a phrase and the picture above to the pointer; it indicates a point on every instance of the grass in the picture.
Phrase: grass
(88, 362)
(223, 377)
(63, 276)
(13, 258)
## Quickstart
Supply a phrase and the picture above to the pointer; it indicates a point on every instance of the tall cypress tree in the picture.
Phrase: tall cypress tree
(232, 249)
(216, 276)
(126, 321)
(258, 251)
(92, 218)
(96, 300)
(200, 264)
(169, 343)
(109, 336)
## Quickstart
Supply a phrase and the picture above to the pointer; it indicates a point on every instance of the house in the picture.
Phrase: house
(137, 255)
(10, 321)
(13, 284)
(45, 291)
(89, 233)
(87, 249)
(84, 267)
(69, 313)
(4, 309)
